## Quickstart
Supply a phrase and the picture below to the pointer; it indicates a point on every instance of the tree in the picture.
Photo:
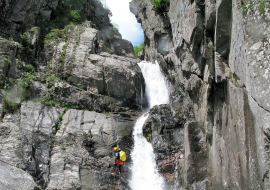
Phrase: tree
(161, 5)
(137, 49)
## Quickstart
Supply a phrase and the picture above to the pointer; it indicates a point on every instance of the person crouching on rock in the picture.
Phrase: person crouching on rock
(117, 162)
(96, 44)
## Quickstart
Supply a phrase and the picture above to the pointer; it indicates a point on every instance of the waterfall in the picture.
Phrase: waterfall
(145, 175)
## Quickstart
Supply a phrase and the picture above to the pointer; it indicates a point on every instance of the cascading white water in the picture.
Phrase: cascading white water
(144, 170)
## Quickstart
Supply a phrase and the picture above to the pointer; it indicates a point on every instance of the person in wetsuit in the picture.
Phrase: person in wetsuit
(96, 44)
(117, 161)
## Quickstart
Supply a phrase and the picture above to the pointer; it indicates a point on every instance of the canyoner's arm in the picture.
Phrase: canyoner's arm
(116, 157)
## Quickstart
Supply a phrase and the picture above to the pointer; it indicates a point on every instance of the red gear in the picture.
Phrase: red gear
(119, 162)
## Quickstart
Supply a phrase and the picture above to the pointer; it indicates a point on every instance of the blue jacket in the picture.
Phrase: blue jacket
(117, 156)
(96, 43)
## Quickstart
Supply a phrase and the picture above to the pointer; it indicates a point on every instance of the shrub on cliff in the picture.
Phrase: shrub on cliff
(137, 49)
(161, 5)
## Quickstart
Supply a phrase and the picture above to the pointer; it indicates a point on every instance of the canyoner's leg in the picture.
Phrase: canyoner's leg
(120, 169)
(114, 173)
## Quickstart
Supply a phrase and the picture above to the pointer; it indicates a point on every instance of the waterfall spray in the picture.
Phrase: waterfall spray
(145, 175)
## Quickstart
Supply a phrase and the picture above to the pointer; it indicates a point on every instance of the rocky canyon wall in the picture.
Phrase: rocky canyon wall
(64, 108)
(215, 54)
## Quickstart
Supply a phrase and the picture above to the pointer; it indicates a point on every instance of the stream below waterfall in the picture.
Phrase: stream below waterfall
(145, 174)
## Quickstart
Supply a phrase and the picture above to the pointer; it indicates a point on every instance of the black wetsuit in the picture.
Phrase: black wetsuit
(117, 157)
(96, 44)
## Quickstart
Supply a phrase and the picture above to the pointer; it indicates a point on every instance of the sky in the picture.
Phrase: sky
(125, 21)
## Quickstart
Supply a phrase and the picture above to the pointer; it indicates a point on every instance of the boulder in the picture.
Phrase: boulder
(140, 55)
(123, 48)
(13, 178)
(38, 89)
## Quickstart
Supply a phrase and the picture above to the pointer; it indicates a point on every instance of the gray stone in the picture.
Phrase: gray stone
(210, 15)
(1, 110)
(38, 89)
(256, 46)
(123, 48)
(140, 55)
(46, 15)
(163, 43)
(219, 91)
(113, 75)
(8, 50)
(37, 125)
(10, 141)
(85, 141)
(196, 156)
(34, 33)
(13, 178)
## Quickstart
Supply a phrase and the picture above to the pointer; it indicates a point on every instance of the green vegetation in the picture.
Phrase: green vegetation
(29, 67)
(75, 107)
(51, 79)
(48, 102)
(263, 6)
(149, 136)
(61, 116)
(62, 57)
(161, 5)
(236, 84)
(26, 79)
(23, 84)
(5, 61)
(24, 38)
(262, 10)
(8, 107)
(53, 34)
(137, 49)
(19, 65)
(230, 75)
(67, 13)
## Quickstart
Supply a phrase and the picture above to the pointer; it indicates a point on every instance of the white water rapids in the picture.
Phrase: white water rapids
(145, 175)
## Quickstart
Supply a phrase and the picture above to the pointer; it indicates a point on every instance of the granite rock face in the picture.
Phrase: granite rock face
(27, 138)
(218, 66)
(103, 73)
(15, 178)
(82, 153)
(63, 108)
(166, 136)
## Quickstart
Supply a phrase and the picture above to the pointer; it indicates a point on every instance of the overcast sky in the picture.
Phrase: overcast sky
(125, 21)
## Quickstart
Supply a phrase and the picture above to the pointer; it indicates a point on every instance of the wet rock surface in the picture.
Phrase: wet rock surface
(166, 136)
(217, 96)
(63, 108)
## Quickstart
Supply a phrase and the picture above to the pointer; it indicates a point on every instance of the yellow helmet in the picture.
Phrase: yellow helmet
(115, 149)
